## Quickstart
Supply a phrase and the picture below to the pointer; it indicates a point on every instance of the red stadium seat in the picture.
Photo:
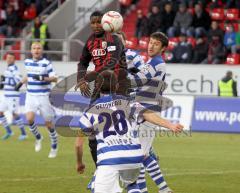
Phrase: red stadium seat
(221, 25)
(172, 43)
(125, 2)
(192, 41)
(143, 43)
(217, 14)
(232, 14)
(132, 43)
(144, 56)
(235, 26)
(233, 59)
(191, 10)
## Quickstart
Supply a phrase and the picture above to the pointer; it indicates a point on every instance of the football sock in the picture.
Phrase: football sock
(53, 137)
(5, 124)
(34, 130)
(154, 171)
(20, 124)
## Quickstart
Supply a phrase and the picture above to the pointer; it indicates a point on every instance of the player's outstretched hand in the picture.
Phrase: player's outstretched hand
(80, 168)
(177, 128)
(84, 88)
(18, 86)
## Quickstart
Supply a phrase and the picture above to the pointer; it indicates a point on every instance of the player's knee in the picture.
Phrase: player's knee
(49, 124)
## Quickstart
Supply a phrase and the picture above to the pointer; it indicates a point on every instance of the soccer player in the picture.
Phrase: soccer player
(113, 119)
(40, 75)
(154, 69)
(11, 97)
(106, 52)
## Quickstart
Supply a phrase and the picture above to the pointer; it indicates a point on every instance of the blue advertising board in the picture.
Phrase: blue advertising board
(216, 114)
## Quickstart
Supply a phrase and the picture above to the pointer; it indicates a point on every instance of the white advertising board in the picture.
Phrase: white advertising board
(181, 111)
(181, 79)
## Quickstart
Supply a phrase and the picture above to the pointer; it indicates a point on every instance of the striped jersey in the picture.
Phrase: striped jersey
(42, 67)
(12, 77)
(114, 119)
(134, 60)
(150, 83)
(154, 69)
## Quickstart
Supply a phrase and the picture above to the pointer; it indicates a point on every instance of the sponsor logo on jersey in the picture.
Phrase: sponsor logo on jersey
(111, 48)
(98, 52)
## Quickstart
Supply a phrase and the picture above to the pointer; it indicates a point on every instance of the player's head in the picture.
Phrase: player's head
(157, 44)
(106, 82)
(95, 22)
(36, 50)
(10, 58)
(122, 37)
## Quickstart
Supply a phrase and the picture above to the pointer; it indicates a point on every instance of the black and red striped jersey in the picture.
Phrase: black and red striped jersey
(106, 51)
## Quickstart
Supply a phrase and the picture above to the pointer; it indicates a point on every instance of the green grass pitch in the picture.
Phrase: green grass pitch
(201, 163)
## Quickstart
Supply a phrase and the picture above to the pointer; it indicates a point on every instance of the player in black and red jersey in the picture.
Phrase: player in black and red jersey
(106, 51)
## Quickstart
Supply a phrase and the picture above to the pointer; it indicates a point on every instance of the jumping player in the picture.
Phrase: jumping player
(113, 119)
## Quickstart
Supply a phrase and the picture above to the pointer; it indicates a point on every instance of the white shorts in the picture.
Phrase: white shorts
(107, 180)
(147, 133)
(41, 103)
(10, 104)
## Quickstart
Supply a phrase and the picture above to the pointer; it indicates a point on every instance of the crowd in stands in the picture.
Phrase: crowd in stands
(14, 14)
(200, 31)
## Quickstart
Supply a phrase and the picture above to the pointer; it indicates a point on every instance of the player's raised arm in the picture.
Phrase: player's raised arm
(152, 117)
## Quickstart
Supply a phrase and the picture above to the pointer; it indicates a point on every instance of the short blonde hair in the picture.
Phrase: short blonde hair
(37, 43)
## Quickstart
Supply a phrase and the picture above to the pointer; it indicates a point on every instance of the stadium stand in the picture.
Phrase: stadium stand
(14, 16)
(223, 15)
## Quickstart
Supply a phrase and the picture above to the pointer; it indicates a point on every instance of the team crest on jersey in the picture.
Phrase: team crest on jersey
(104, 45)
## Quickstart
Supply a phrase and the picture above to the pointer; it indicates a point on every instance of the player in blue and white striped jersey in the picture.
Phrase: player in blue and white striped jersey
(40, 75)
(113, 120)
(11, 100)
(149, 80)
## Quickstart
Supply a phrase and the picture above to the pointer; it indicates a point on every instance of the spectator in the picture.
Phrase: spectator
(2, 16)
(227, 87)
(230, 39)
(141, 25)
(233, 4)
(11, 22)
(200, 50)
(216, 51)
(201, 22)
(215, 31)
(215, 4)
(40, 31)
(238, 39)
(182, 21)
(30, 13)
(167, 16)
(182, 53)
(154, 20)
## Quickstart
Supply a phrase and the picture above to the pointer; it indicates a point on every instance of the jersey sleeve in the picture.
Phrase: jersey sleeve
(137, 111)
(84, 62)
(50, 70)
(147, 72)
(85, 123)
